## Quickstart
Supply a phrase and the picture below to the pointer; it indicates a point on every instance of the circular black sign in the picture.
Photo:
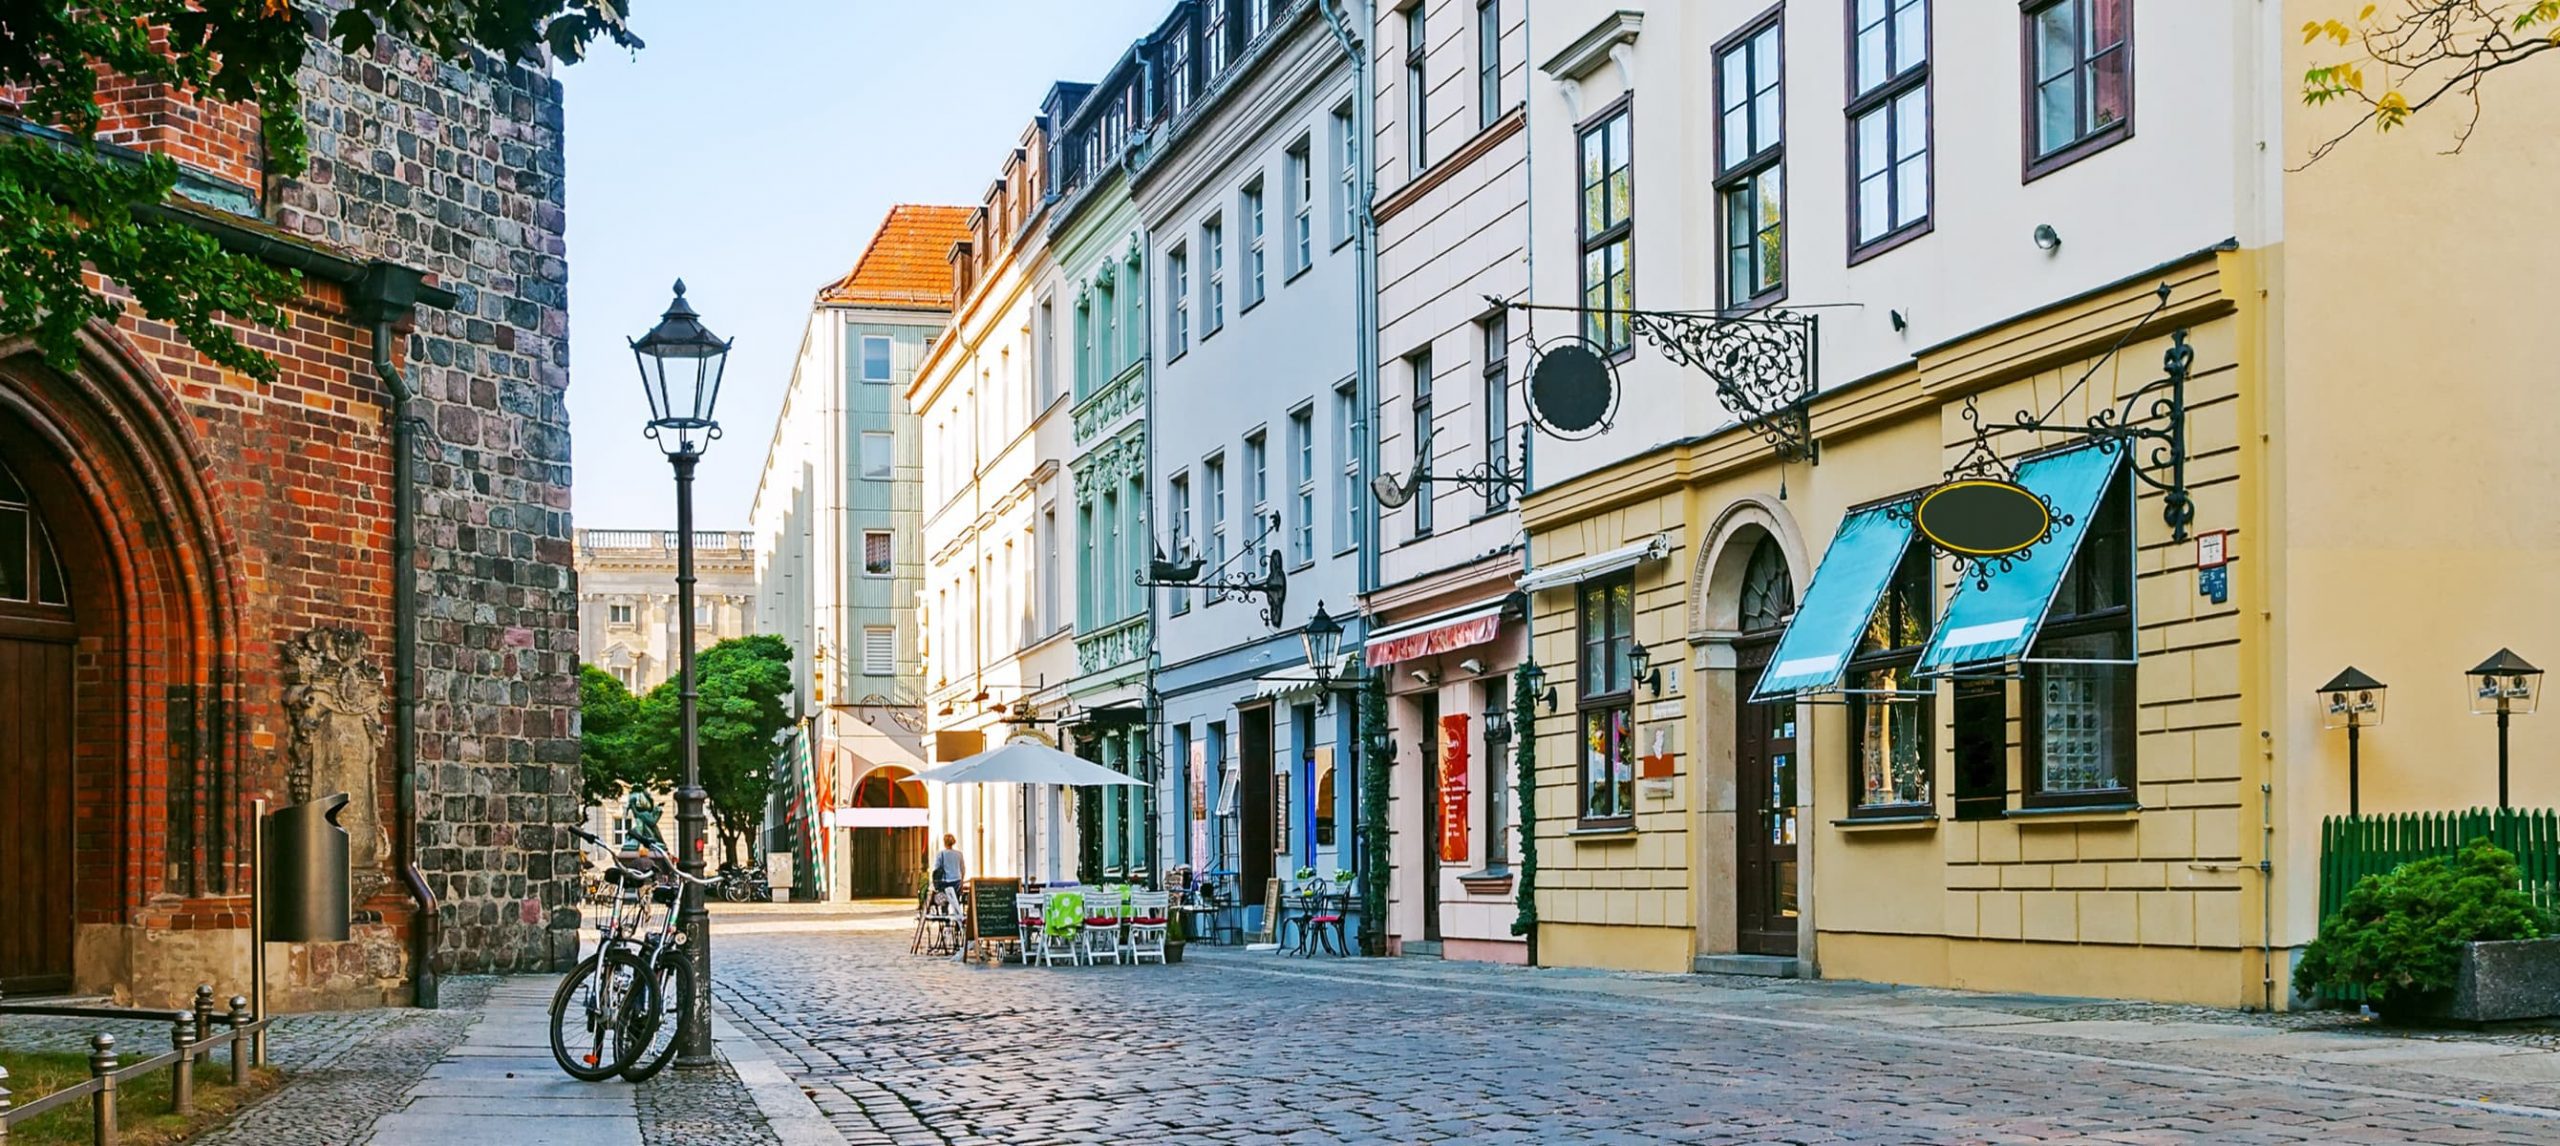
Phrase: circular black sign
(1983, 517)
(1572, 390)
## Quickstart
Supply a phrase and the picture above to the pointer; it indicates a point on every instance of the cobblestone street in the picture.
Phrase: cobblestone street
(1238, 1047)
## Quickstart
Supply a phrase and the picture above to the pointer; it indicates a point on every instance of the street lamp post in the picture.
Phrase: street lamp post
(680, 364)
(2504, 685)
(2351, 700)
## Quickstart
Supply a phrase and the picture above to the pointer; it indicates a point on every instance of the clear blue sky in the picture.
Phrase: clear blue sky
(751, 149)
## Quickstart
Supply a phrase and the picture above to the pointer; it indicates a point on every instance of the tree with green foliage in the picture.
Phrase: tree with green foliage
(742, 705)
(2424, 52)
(610, 762)
(2399, 936)
(68, 205)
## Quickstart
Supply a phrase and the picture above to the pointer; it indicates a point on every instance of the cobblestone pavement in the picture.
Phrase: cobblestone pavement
(897, 1048)
(344, 1068)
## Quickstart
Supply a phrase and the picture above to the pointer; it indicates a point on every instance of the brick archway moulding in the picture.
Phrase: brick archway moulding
(160, 629)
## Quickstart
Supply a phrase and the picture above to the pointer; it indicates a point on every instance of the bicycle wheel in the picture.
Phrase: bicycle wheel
(655, 1015)
(583, 1011)
(734, 890)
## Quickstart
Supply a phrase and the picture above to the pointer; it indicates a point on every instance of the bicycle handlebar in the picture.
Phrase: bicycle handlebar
(655, 851)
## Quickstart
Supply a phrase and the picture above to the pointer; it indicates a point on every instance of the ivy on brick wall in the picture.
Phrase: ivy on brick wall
(70, 206)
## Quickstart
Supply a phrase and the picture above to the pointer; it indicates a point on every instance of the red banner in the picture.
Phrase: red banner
(1453, 789)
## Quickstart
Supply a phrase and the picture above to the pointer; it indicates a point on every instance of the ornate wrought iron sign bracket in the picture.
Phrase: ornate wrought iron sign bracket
(1272, 584)
(1493, 474)
(1763, 365)
(1987, 523)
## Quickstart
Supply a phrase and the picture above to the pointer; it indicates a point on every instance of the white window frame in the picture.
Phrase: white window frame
(889, 440)
(888, 358)
(888, 540)
(879, 650)
(1213, 282)
(1249, 208)
(1302, 464)
(1177, 263)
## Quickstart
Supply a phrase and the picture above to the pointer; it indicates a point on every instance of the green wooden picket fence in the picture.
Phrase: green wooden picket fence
(2353, 847)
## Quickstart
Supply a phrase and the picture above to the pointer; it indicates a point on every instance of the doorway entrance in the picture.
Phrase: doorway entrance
(1427, 708)
(1253, 866)
(887, 861)
(1765, 767)
(36, 707)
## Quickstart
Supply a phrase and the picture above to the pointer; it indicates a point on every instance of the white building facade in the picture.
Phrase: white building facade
(1247, 194)
(840, 561)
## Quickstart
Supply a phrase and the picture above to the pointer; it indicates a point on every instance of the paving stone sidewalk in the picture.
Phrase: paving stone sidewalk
(1229, 1046)
(479, 1069)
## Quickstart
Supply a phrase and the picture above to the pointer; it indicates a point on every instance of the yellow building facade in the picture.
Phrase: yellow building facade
(2367, 443)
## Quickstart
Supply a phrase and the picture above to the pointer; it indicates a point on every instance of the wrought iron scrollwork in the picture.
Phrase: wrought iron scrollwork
(1980, 570)
(1272, 584)
(1763, 366)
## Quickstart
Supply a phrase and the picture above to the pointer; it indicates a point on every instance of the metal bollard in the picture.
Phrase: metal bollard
(4, 1103)
(182, 1073)
(102, 1105)
(204, 1011)
(239, 1041)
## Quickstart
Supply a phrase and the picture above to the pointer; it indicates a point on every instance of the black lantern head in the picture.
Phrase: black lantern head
(1640, 669)
(1544, 693)
(2505, 684)
(1323, 637)
(680, 366)
(2351, 697)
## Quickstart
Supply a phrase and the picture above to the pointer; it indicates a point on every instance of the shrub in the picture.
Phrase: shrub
(2400, 935)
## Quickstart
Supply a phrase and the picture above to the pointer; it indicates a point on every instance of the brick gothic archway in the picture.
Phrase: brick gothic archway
(112, 466)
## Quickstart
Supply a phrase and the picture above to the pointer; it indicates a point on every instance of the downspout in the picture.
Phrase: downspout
(384, 294)
(1364, 227)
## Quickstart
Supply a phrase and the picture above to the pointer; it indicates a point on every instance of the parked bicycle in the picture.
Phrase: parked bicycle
(745, 883)
(622, 1010)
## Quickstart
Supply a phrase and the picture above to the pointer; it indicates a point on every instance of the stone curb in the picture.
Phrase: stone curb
(787, 1109)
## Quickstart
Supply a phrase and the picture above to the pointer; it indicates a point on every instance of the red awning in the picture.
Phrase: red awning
(1447, 633)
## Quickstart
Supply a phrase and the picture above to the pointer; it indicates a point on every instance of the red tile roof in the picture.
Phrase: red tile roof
(908, 262)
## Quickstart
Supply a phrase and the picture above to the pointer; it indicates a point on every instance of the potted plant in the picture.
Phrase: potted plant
(2438, 938)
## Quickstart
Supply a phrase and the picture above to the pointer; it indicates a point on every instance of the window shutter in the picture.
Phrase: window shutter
(879, 652)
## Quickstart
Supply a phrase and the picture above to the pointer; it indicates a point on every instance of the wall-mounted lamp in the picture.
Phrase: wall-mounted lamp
(1641, 669)
(2048, 240)
(2504, 685)
(1425, 677)
(1471, 666)
(1539, 689)
(2352, 701)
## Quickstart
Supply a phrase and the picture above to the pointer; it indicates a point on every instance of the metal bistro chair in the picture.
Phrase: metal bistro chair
(1150, 917)
(1031, 922)
(1062, 928)
(1325, 924)
(1102, 918)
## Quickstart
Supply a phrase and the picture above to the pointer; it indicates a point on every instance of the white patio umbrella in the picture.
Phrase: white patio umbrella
(1027, 761)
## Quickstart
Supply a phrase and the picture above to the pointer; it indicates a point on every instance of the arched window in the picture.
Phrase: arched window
(1768, 590)
(30, 572)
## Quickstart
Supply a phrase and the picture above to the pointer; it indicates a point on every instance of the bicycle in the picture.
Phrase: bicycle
(745, 884)
(620, 995)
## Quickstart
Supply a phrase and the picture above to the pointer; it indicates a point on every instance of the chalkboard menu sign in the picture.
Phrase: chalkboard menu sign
(991, 914)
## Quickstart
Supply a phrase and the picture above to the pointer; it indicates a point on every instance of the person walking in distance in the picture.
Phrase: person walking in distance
(949, 869)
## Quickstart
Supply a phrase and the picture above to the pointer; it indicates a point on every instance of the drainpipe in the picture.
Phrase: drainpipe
(1364, 229)
(385, 293)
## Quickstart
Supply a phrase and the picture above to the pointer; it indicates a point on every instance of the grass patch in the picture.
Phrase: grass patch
(142, 1104)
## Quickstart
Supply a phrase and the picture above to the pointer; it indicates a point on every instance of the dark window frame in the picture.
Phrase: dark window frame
(1980, 723)
(1619, 232)
(2032, 165)
(1885, 96)
(1493, 334)
(1489, 105)
(1907, 608)
(1423, 370)
(1747, 171)
(1417, 79)
(1616, 694)
(2073, 616)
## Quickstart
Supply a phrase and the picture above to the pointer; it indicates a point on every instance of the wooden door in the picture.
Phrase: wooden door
(35, 815)
(1253, 868)
(1765, 836)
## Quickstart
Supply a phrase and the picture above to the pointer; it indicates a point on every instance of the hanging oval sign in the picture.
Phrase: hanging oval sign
(1983, 517)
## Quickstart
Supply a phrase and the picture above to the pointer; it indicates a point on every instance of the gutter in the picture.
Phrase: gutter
(383, 294)
(1364, 229)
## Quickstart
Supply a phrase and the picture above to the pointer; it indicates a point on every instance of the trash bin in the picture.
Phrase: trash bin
(306, 878)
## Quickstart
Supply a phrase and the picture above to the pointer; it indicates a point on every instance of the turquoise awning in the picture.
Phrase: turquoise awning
(1845, 589)
(1995, 625)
